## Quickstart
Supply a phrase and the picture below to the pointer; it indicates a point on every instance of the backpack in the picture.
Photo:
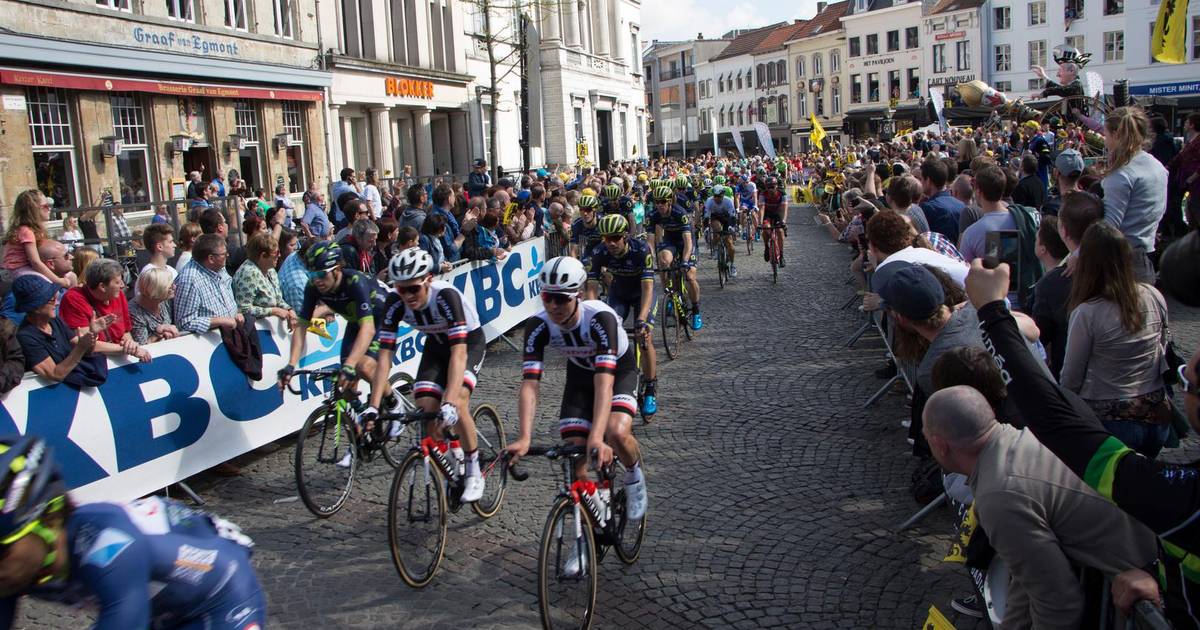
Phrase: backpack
(1027, 219)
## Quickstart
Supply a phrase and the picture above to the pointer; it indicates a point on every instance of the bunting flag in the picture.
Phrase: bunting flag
(938, 98)
(817, 136)
(764, 138)
(1167, 43)
(737, 140)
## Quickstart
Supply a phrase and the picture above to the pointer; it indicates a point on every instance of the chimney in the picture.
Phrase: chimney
(821, 7)
(699, 35)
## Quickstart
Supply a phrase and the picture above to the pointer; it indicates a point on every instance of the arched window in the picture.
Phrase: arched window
(799, 67)
(816, 64)
(762, 109)
(781, 71)
(835, 62)
(783, 110)
(770, 74)
(741, 115)
(722, 118)
(762, 75)
(739, 81)
(802, 103)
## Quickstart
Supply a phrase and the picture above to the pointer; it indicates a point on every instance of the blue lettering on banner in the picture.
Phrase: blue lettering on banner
(1166, 89)
(53, 404)
(514, 292)
(488, 301)
(130, 413)
(239, 400)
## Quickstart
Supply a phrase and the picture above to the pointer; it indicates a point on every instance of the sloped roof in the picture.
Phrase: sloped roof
(746, 42)
(778, 37)
(955, 5)
(825, 21)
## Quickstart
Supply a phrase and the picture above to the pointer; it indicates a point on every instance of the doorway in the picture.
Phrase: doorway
(603, 138)
(199, 159)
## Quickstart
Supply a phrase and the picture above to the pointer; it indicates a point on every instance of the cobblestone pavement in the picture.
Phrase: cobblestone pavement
(774, 494)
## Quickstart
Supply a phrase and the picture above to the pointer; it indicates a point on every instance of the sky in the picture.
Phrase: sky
(683, 19)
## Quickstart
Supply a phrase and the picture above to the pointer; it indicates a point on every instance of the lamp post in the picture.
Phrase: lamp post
(887, 128)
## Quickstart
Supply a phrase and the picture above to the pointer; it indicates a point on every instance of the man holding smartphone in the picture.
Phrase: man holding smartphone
(989, 192)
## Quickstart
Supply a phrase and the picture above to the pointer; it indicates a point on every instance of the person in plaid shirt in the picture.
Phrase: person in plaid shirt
(203, 291)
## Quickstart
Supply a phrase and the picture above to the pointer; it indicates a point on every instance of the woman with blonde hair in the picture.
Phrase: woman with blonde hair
(188, 233)
(83, 257)
(30, 213)
(1135, 185)
(150, 311)
(967, 151)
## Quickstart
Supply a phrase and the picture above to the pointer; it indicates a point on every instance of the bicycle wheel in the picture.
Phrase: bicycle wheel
(567, 600)
(685, 322)
(417, 519)
(775, 256)
(722, 265)
(489, 433)
(628, 534)
(322, 443)
(394, 448)
(668, 320)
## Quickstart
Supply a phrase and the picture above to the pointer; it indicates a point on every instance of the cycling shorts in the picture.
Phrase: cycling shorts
(628, 306)
(435, 361)
(774, 216)
(348, 343)
(675, 249)
(575, 416)
(239, 605)
(728, 222)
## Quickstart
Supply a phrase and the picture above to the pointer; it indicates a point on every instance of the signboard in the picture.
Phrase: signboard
(185, 42)
(115, 84)
(14, 101)
(413, 88)
(1166, 89)
(152, 424)
(951, 35)
(951, 80)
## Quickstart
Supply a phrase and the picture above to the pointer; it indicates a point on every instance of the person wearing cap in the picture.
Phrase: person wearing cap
(1068, 168)
(51, 349)
(479, 180)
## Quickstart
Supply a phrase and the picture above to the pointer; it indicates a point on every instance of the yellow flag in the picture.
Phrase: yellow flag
(818, 132)
(1167, 43)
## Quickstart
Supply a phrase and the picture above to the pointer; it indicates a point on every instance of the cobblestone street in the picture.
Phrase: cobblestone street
(774, 494)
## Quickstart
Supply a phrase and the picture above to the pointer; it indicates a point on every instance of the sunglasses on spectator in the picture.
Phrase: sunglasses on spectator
(412, 290)
(558, 298)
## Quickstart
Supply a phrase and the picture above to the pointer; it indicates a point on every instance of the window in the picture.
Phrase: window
(861, 5)
(1037, 13)
(578, 122)
(668, 96)
(702, 94)
(914, 84)
(245, 124)
(53, 142)
(1037, 53)
(835, 97)
(1114, 7)
(283, 18)
(119, 5)
(1036, 85)
(802, 103)
(783, 110)
(180, 10)
(1003, 86)
(818, 103)
(781, 71)
(358, 34)
(763, 114)
(722, 117)
(962, 54)
(817, 64)
(873, 44)
(835, 62)
(1074, 41)
(1002, 18)
(1072, 10)
(799, 67)
(739, 81)
(912, 38)
(939, 58)
(772, 79)
(1195, 37)
(235, 14)
(855, 47)
(441, 33)
(689, 95)
(1114, 46)
(762, 75)
(293, 123)
(129, 124)
(893, 41)
(1003, 58)
(703, 121)
(855, 88)
(873, 86)
(893, 85)
(741, 115)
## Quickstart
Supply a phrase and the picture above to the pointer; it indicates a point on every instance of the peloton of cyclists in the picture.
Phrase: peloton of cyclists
(670, 228)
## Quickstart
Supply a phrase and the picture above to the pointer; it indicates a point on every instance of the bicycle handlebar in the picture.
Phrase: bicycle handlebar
(319, 374)
(1147, 616)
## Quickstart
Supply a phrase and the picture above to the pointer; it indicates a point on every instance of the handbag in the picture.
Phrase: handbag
(1171, 355)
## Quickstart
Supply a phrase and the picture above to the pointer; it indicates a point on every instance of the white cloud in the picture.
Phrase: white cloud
(684, 19)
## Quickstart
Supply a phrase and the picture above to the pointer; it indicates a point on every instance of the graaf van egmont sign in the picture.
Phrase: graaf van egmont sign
(183, 41)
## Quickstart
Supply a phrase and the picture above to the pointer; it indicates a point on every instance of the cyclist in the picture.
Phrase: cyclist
(598, 401)
(152, 563)
(671, 230)
(585, 236)
(613, 202)
(747, 193)
(775, 210)
(631, 264)
(722, 219)
(359, 299)
(684, 195)
(451, 359)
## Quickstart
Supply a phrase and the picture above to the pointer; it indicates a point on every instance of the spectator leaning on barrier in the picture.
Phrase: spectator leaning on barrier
(431, 241)
(103, 293)
(890, 239)
(52, 350)
(150, 311)
(256, 284)
(293, 277)
(1041, 519)
(204, 292)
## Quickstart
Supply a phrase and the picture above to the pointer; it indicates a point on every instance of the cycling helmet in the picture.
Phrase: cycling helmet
(410, 264)
(589, 201)
(323, 256)
(612, 191)
(663, 193)
(562, 275)
(613, 224)
(642, 177)
(31, 486)
(681, 181)
(717, 191)
(719, 179)
(708, 183)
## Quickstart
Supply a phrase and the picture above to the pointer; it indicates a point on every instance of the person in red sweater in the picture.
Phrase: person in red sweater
(103, 293)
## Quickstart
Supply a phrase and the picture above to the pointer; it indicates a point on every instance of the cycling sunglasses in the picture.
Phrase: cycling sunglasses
(413, 290)
(558, 298)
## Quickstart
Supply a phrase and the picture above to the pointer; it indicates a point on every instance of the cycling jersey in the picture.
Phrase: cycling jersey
(773, 202)
(586, 237)
(595, 343)
(722, 211)
(155, 563)
(446, 316)
(628, 270)
(748, 195)
(623, 205)
(358, 298)
(685, 198)
(674, 225)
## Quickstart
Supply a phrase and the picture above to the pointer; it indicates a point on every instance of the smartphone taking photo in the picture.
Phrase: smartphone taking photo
(1004, 246)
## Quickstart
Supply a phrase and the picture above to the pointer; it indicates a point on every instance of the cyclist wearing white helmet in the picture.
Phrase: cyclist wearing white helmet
(599, 401)
(452, 357)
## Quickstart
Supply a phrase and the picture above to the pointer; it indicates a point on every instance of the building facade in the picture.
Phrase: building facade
(204, 85)
(954, 46)
(815, 56)
(673, 91)
(884, 51)
(732, 105)
(772, 86)
(1149, 78)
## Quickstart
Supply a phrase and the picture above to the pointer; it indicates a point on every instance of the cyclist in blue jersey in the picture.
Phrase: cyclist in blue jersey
(630, 262)
(613, 202)
(153, 563)
(722, 219)
(670, 228)
(585, 235)
(747, 192)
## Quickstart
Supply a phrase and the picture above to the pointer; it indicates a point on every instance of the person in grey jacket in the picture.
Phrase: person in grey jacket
(414, 213)
(1041, 518)
(1135, 188)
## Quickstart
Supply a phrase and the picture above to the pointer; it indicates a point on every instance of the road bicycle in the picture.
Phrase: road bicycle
(773, 247)
(586, 519)
(639, 350)
(722, 260)
(428, 486)
(749, 230)
(324, 474)
(675, 312)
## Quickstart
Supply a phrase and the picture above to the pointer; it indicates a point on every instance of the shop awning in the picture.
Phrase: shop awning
(99, 83)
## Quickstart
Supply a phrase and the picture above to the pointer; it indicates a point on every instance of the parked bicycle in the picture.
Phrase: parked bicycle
(428, 486)
(586, 519)
(675, 313)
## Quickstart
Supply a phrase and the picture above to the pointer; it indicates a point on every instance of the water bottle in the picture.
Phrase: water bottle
(606, 498)
(459, 457)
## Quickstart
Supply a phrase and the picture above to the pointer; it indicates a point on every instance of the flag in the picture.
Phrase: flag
(937, 96)
(1167, 43)
(737, 140)
(818, 132)
(764, 138)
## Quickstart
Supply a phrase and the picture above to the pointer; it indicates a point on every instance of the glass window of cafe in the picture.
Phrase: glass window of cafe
(133, 163)
(52, 138)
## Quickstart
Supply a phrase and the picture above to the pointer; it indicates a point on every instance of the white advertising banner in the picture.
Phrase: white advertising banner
(764, 138)
(150, 425)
